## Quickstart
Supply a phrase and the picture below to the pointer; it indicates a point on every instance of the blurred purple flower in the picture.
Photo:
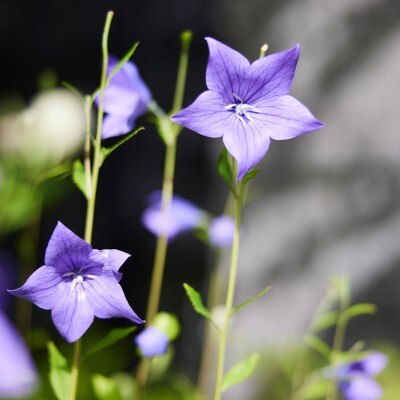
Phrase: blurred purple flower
(18, 377)
(126, 98)
(355, 378)
(152, 342)
(183, 216)
(221, 231)
(77, 283)
(248, 104)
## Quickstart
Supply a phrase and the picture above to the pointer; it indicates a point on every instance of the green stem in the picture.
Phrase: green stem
(230, 295)
(97, 161)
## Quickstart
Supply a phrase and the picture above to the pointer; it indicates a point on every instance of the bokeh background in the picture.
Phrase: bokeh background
(324, 204)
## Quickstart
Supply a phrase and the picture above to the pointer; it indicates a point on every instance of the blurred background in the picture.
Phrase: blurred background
(324, 204)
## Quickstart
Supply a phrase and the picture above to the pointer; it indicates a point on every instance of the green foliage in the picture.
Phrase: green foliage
(60, 376)
(122, 62)
(168, 324)
(315, 390)
(224, 166)
(197, 303)
(357, 310)
(240, 371)
(250, 300)
(325, 320)
(105, 388)
(109, 339)
(250, 175)
(79, 177)
(318, 345)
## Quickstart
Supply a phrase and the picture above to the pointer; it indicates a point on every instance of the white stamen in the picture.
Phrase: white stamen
(241, 109)
(79, 278)
(67, 274)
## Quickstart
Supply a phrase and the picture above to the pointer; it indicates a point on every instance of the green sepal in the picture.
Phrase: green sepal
(240, 371)
(250, 300)
(250, 175)
(318, 345)
(59, 375)
(224, 166)
(106, 151)
(197, 303)
(79, 177)
(168, 324)
(105, 388)
(109, 339)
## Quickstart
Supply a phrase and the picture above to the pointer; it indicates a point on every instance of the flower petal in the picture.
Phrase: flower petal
(247, 142)
(371, 364)
(183, 216)
(112, 259)
(271, 76)
(41, 288)
(18, 376)
(226, 69)
(206, 115)
(152, 342)
(107, 298)
(221, 231)
(285, 118)
(117, 125)
(72, 314)
(361, 388)
(66, 251)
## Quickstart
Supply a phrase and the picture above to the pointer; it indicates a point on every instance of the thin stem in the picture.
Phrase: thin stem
(93, 177)
(230, 295)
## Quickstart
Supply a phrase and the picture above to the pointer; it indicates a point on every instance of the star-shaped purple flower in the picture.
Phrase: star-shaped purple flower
(77, 283)
(356, 381)
(126, 98)
(248, 104)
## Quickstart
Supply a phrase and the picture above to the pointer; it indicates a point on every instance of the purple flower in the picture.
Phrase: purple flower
(77, 283)
(221, 230)
(152, 342)
(248, 104)
(183, 216)
(126, 98)
(18, 377)
(355, 379)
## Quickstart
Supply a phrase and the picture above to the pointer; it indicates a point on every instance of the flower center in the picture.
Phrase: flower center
(241, 109)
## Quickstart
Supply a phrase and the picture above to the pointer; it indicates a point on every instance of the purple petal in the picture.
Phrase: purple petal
(18, 377)
(41, 288)
(72, 314)
(371, 365)
(107, 299)
(285, 118)
(271, 76)
(183, 216)
(151, 342)
(206, 115)
(221, 231)
(247, 143)
(112, 259)
(361, 388)
(66, 251)
(117, 125)
(226, 69)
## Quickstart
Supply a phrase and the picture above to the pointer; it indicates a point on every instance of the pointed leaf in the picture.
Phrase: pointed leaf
(112, 337)
(197, 303)
(250, 300)
(241, 371)
(325, 320)
(106, 151)
(60, 375)
(224, 166)
(73, 89)
(122, 61)
(79, 177)
(359, 309)
(318, 345)
(105, 388)
(250, 175)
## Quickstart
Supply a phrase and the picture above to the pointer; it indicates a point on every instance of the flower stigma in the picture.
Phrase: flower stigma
(241, 109)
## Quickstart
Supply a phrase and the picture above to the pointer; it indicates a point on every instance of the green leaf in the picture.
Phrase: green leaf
(60, 375)
(106, 151)
(318, 345)
(250, 175)
(224, 166)
(358, 309)
(197, 303)
(112, 337)
(105, 388)
(325, 320)
(240, 372)
(122, 62)
(79, 177)
(250, 300)
(168, 324)
(73, 89)
(315, 391)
